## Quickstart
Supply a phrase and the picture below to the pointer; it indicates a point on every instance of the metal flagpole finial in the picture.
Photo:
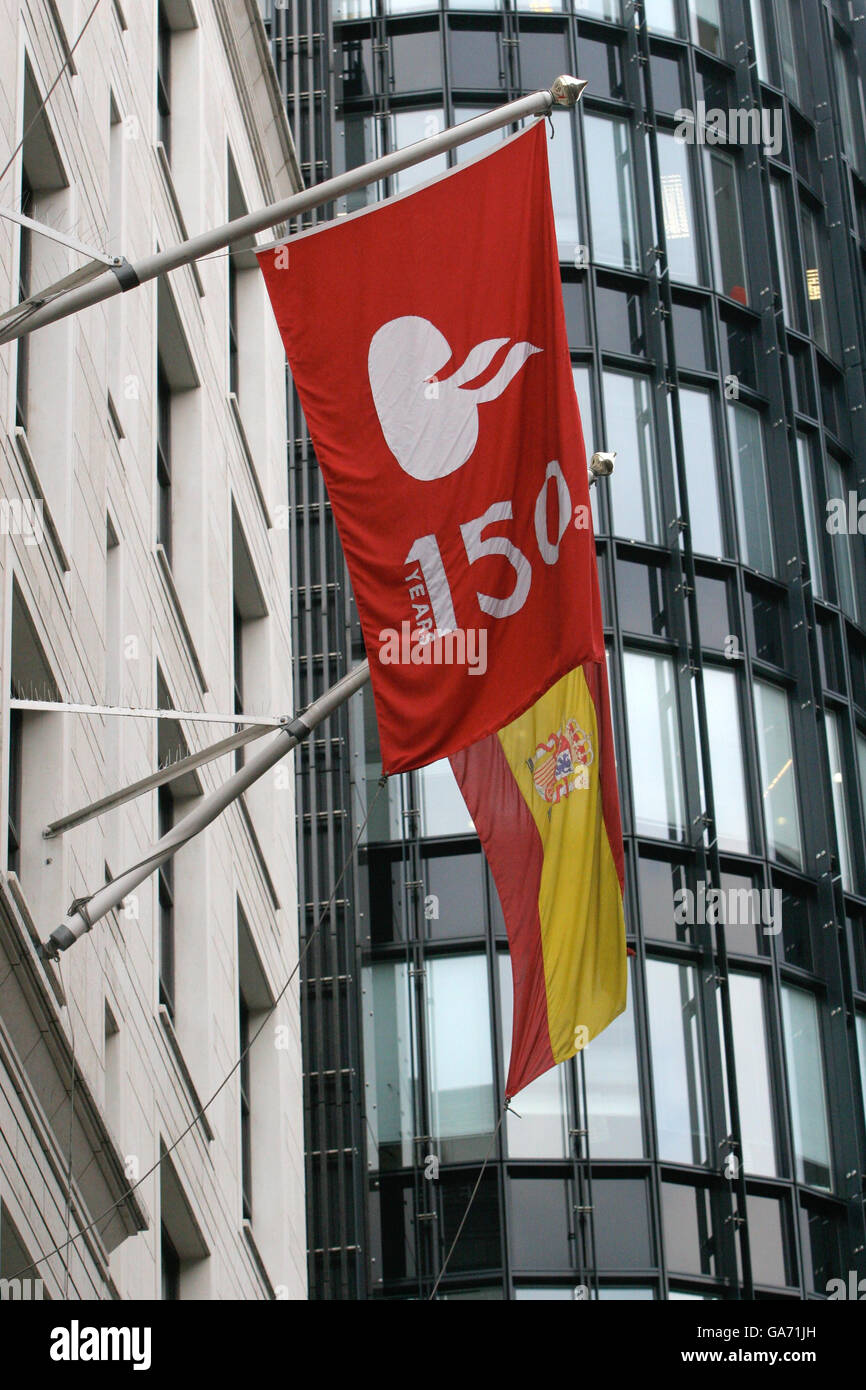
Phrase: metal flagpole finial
(567, 91)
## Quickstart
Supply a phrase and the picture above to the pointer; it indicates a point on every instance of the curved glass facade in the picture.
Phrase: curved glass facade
(711, 217)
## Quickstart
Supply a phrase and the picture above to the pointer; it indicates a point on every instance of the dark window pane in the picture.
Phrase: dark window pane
(743, 933)
(542, 51)
(658, 881)
(769, 1241)
(416, 60)
(690, 338)
(620, 320)
(688, 1229)
(475, 56)
(540, 1223)
(796, 934)
(714, 615)
(453, 895)
(726, 235)
(830, 653)
(857, 661)
(641, 594)
(601, 65)
(765, 616)
(800, 376)
(359, 77)
(574, 300)
(478, 1246)
(667, 84)
(622, 1225)
(822, 1254)
(738, 348)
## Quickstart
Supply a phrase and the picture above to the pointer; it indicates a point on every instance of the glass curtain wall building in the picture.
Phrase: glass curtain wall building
(710, 197)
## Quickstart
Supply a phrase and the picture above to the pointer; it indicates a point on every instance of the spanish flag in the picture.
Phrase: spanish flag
(542, 793)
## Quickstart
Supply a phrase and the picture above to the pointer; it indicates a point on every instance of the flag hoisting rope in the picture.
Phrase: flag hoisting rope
(565, 91)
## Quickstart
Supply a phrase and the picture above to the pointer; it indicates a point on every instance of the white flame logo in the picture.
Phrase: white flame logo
(431, 427)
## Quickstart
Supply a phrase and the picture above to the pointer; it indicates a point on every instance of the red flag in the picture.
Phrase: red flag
(427, 340)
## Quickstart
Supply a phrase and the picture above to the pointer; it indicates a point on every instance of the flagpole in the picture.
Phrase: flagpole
(84, 913)
(565, 91)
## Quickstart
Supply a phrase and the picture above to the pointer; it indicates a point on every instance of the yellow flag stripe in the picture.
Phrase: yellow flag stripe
(580, 902)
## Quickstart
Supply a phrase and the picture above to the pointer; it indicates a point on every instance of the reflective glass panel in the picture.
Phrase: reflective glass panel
(812, 514)
(611, 191)
(460, 1056)
(678, 1069)
(389, 1064)
(563, 185)
(706, 24)
(754, 1094)
(840, 539)
(678, 208)
(832, 724)
(654, 745)
(699, 447)
(688, 1230)
(726, 760)
(443, 810)
(806, 1085)
(726, 234)
(633, 489)
(750, 488)
(778, 774)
